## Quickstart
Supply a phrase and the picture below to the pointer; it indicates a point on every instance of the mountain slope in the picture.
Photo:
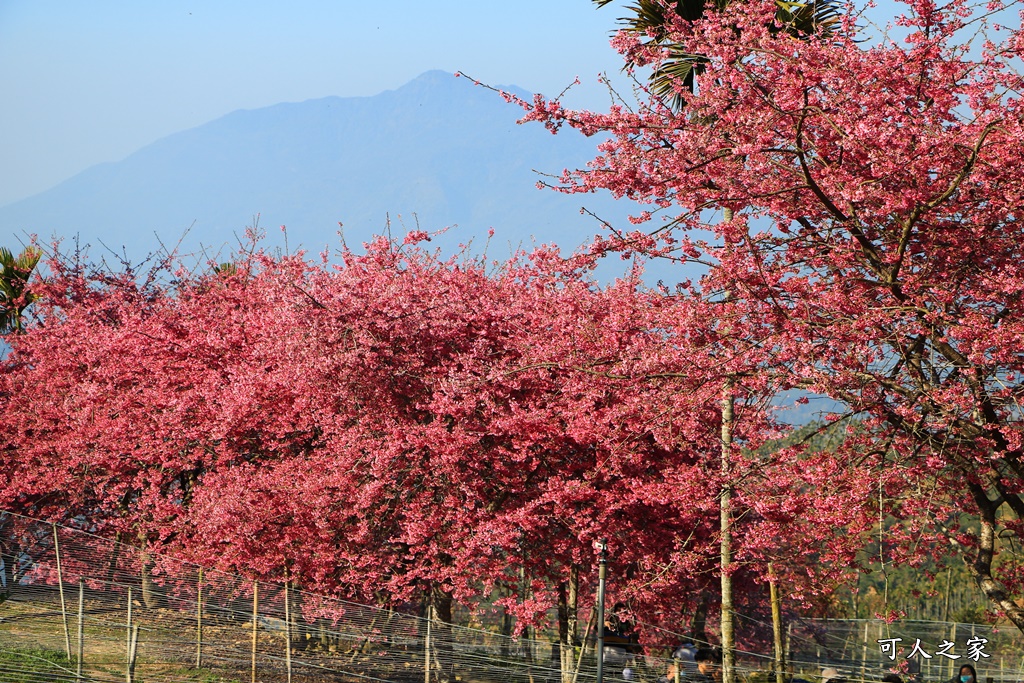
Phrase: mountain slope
(439, 147)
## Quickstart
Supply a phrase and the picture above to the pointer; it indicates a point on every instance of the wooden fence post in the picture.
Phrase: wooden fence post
(199, 621)
(952, 639)
(583, 648)
(128, 630)
(864, 654)
(81, 624)
(426, 644)
(60, 586)
(287, 633)
(255, 618)
(133, 645)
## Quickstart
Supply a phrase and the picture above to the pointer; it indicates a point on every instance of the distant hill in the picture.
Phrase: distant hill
(439, 147)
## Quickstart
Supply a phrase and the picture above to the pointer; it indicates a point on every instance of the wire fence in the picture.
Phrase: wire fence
(116, 613)
(862, 649)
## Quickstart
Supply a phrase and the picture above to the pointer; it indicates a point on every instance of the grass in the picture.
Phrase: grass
(197, 675)
(26, 665)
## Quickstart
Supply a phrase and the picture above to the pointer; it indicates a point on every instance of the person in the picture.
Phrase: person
(913, 671)
(620, 645)
(683, 662)
(831, 675)
(709, 665)
(686, 655)
(967, 674)
(891, 678)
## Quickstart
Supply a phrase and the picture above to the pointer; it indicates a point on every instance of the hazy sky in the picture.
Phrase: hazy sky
(88, 82)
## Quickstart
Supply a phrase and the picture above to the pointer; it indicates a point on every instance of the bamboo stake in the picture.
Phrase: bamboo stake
(773, 591)
(128, 631)
(864, 653)
(287, 633)
(426, 645)
(81, 624)
(255, 617)
(60, 586)
(199, 622)
(952, 639)
(789, 639)
(132, 649)
(583, 649)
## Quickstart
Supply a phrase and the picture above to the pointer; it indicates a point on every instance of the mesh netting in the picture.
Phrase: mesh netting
(123, 614)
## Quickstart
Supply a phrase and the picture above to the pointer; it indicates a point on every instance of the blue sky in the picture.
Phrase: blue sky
(88, 82)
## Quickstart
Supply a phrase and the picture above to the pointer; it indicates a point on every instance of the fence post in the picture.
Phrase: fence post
(132, 649)
(426, 644)
(287, 633)
(128, 631)
(864, 654)
(81, 624)
(199, 622)
(255, 617)
(583, 648)
(952, 639)
(60, 586)
(128, 639)
(773, 596)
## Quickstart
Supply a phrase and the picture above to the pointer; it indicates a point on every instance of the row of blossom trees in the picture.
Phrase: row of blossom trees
(400, 425)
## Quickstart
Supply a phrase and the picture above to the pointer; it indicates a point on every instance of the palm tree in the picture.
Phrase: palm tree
(679, 70)
(14, 294)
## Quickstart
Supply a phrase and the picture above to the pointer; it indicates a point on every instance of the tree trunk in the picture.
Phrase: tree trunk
(115, 552)
(728, 641)
(152, 598)
(567, 623)
(441, 637)
(981, 567)
(506, 627)
(9, 551)
(525, 594)
(571, 624)
(699, 624)
(299, 630)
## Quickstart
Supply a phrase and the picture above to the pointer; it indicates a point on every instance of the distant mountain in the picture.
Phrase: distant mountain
(438, 148)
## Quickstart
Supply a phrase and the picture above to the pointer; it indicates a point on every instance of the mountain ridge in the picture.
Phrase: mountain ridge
(438, 147)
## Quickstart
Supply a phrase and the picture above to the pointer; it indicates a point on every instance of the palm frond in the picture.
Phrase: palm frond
(801, 19)
(677, 73)
(14, 276)
(226, 269)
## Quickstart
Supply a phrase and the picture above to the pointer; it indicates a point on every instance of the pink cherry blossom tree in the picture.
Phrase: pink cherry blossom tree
(872, 225)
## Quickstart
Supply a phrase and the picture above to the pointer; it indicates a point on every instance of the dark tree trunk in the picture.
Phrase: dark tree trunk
(442, 635)
(981, 567)
(152, 598)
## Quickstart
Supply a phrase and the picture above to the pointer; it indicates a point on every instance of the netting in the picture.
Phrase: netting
(860, 648)
(114, 612)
